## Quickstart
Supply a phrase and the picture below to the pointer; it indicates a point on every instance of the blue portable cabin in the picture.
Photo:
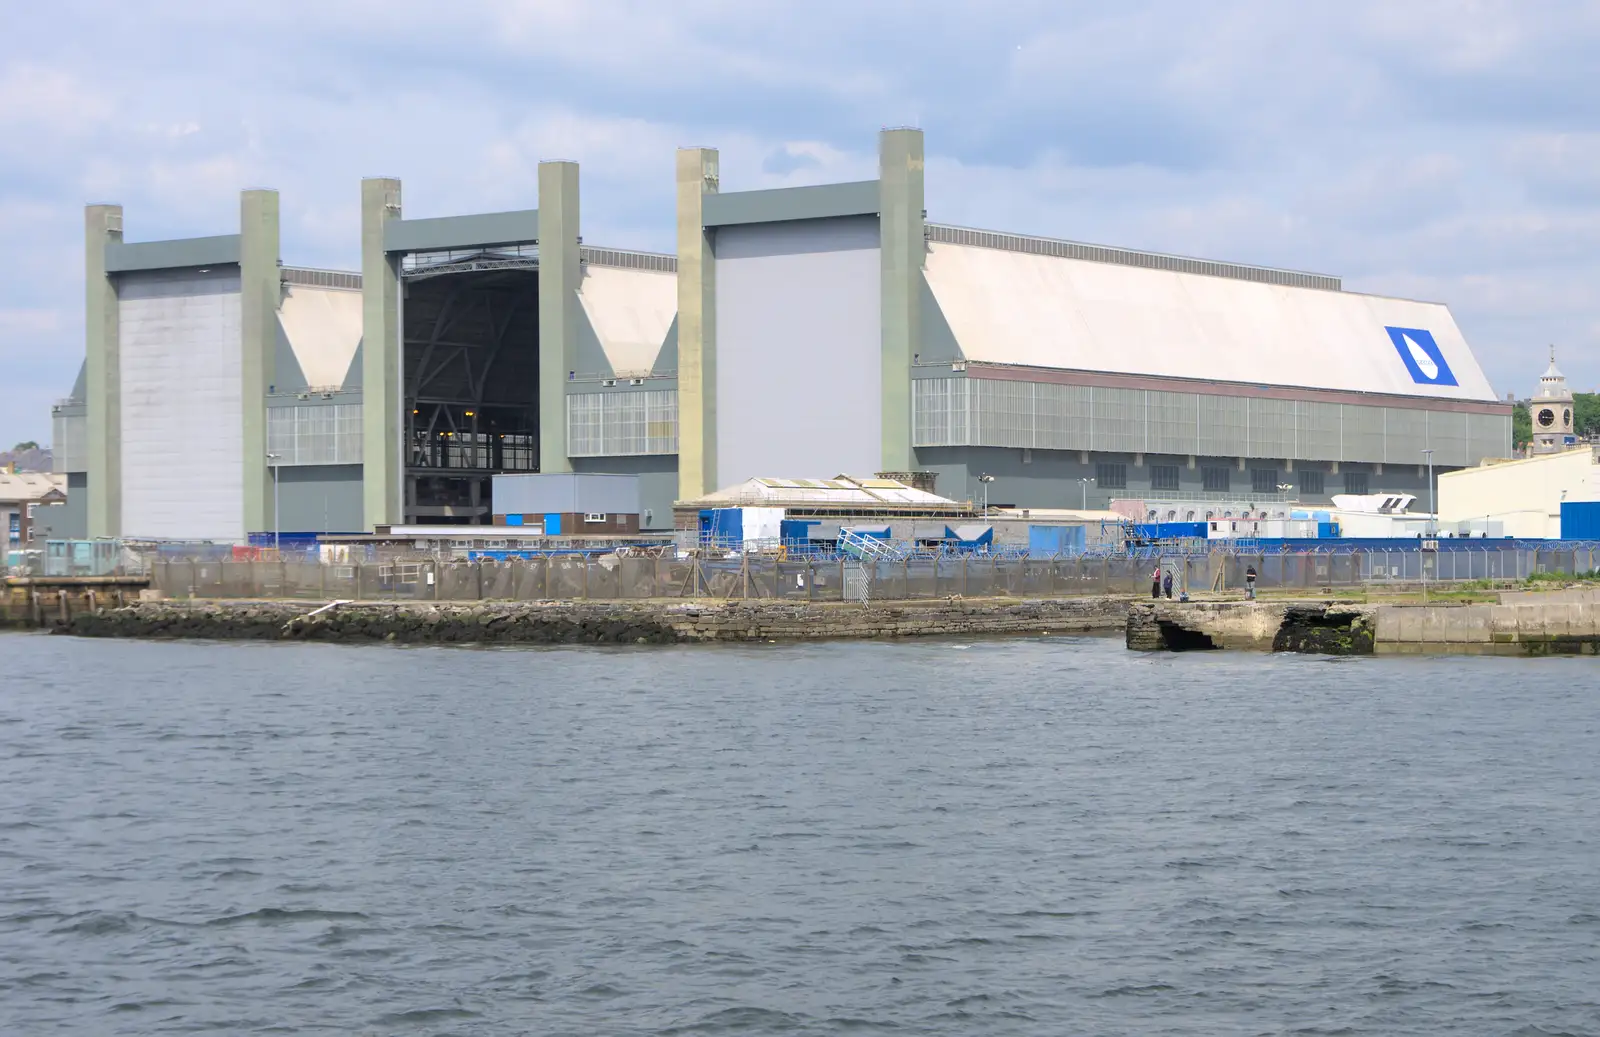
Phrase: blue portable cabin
(722, 527)
(1045, 541)
(1580, 520)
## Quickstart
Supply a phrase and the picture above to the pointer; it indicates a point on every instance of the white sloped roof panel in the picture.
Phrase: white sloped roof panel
(324, 328)
(630, 311)
(841, 490)
(1044, 311)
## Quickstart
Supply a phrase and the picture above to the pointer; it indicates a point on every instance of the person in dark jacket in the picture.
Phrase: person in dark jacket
(1166, 584)
(1250, 582)
(1155, 583)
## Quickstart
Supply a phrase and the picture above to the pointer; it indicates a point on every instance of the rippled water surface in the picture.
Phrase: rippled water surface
(1009, 837)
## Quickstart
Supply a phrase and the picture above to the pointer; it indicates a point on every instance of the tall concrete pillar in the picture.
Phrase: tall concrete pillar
(559, 277)
(381, 456)
(903, 248)
(698, 176)
(261, 291)
(103, 376)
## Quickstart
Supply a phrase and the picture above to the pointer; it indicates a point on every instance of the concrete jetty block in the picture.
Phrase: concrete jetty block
(1586, 620)
(1468, 626)
(1390, 623)
(1504, 623)
(1436, 623)
(1564, 627)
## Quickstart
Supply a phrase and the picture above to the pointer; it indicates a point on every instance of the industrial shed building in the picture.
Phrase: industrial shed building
(797, 332)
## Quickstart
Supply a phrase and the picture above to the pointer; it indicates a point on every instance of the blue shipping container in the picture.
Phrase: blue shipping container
(792, 531)
(1044, 541)
(1580, 520)
(1170, 530)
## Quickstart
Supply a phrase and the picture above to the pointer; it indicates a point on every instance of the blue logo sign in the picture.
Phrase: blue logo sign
(1421, 356)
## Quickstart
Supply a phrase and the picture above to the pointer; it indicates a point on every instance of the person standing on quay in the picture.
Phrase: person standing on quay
(1166, 585)
(1250, 582)
(1155, 582)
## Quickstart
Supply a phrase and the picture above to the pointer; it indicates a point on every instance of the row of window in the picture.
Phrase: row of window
(1113, 475)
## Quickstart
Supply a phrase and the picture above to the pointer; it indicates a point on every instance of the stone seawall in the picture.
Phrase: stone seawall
(596, 623)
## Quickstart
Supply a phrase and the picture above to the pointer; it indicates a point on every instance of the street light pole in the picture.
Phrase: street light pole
(274, 459)
(1433, 524)
(1083, 484)
(986, 479)
(1433, 511)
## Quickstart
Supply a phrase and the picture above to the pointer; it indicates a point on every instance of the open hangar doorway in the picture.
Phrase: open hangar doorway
(470, 379)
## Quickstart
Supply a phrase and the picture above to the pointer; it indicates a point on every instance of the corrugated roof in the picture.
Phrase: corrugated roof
(29, 486)
(1018, 308)
(842, 490)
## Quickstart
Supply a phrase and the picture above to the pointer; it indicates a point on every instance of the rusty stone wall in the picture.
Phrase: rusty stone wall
(42, 601)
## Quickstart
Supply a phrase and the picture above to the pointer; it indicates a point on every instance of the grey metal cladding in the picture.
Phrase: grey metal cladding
(667, 360)
(178, 253)
(566, 493)
(825, 235)
(629, 259)
(312, 277)
(482, 230)
(319, 498)
(352, 377)
(80, 391)
(287, 376)
(623, 423)
(312, 399)
(341, 398)
(588, 355)
(307, 434)
(938, 343)
(859, 198)
(957, 411)
(69, 439)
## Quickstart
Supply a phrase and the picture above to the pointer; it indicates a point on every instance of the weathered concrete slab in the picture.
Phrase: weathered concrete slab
(1586, 595)
(1526, 628)
(1331, 628)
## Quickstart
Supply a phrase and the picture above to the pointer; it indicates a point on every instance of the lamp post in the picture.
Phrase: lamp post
(1433, 524)
(273, 460)
(1433, 513)
(1083, 484)
(986, 479)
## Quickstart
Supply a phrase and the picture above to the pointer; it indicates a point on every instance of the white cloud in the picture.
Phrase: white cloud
(1433, 148)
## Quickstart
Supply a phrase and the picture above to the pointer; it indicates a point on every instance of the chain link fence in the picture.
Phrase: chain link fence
(625, 577)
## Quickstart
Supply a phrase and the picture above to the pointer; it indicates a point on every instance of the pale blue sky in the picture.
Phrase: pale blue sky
(1439, 149)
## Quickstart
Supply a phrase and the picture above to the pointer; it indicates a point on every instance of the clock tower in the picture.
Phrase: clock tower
(1551, 411)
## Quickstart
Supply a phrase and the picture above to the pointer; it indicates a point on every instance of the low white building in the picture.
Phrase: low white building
(1523, 496)
(20, 494)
